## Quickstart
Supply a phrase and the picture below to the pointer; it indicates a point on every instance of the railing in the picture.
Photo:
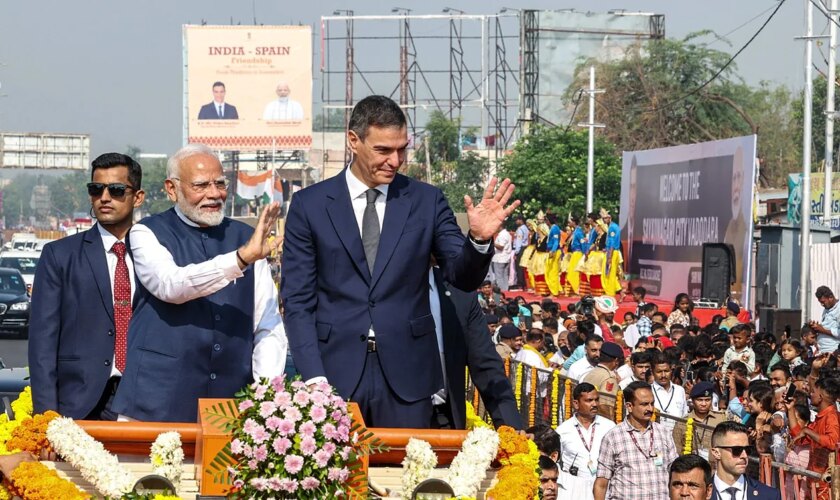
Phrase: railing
(550, 404)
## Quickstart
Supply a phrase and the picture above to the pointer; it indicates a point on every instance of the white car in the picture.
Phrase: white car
(23, 261)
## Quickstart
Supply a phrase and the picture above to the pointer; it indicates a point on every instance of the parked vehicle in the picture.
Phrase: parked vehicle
(14, 303)
(23, 261)
(12, 382)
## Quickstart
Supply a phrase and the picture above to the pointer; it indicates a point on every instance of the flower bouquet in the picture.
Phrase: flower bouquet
(291, 441)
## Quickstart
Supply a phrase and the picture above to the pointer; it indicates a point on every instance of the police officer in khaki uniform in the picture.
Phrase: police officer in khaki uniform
(705, 420)
(510, 341)
(604, 377)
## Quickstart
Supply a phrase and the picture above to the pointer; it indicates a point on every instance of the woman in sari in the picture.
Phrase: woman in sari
(577, 245)
(596, 260)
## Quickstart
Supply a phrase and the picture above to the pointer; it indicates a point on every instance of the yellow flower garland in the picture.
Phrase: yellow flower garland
(655, 415)
(555, 387)
(507, 367)
(517, 387)
(532, 405)
(36, 480)
(689, 436)
(22, 409)
(567, 399)
(619, 407)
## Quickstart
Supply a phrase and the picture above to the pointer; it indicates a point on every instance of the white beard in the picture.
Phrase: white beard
(195, 214)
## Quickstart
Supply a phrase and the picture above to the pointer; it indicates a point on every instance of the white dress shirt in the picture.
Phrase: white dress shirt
(284, 109)
(721, 487)
(579, 369)
(434, 303)
(575, 454)
(163, 278)
(504, 240)
(670, 402)
(108, 241)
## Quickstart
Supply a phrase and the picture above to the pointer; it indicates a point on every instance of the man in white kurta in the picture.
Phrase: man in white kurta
(580, 442)
(530, 355)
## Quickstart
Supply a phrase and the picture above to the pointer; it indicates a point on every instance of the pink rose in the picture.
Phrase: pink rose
(307, 429)
(318, 414)
(281, 445)
(322, 458)
(293, 463)
(273, 422)
(293, 414)
(308, 445)
(259, 392)
(246, 404)
(289, 485)
(301, 398)
(267, 408)
(309, 483)
(282, 399)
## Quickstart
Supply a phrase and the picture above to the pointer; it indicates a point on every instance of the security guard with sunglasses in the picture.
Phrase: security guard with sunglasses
(82, 300)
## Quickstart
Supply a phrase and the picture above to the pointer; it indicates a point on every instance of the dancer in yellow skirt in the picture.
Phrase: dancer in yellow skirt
(539, 259)
(565, 240)
(525, 260)
(596, 260)
(614, 270)
(577, 246)
(555, 254)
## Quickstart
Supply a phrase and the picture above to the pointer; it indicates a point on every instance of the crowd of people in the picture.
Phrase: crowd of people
(778, 396)
(551, 257)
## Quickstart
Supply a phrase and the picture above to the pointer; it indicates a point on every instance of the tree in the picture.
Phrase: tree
(329, 120)
(549, 170)
(670, 92)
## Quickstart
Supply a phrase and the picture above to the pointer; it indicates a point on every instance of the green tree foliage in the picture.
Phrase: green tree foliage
(549, 170)
(328, 120)
(654, 99)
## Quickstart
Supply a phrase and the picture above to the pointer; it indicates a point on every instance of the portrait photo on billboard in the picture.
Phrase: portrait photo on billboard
(248, 87)
(674, 200)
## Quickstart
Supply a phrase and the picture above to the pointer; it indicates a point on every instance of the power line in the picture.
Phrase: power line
(723, 36)
(720, 71)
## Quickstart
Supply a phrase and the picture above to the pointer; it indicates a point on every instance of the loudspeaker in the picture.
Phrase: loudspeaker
(718, 271)
(775, 320)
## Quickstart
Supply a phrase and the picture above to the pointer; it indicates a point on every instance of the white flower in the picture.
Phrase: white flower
(469, 467)
(87, 455)
(418, 463)
(167, 457)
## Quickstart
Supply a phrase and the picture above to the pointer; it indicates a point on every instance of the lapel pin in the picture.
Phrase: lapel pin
(755, 493)
(447, 293)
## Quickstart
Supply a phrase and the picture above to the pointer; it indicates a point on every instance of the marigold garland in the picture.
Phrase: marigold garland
(619, 407)
(473, 420)
(22, 410)
(507, 367)
(567, 399)
(555, 387)
(517, 387)
(518, 477)
(532, 400)
(689, 436)
(655, 415)
(35, 481)
(31, 434)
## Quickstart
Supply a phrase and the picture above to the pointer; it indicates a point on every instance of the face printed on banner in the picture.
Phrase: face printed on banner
(737, 181)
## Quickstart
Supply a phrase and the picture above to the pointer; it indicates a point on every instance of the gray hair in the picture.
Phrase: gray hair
(173, 164)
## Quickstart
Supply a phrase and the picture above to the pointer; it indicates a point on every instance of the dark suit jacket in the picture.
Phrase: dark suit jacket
(71, 332)
(210, 112)
(467, 343)
(331, 299)
(755, 490)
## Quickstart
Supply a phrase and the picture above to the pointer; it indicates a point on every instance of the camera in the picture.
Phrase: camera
(585, 306)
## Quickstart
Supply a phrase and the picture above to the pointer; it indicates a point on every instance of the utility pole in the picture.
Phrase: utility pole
(805, 231)
(428, 159)
(829, 112)
(590, 165)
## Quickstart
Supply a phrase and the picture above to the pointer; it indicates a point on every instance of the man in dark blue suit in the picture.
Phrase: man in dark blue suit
(73, 365)
(355, 295)
(466, 343)
(730, 447)
(218, 109)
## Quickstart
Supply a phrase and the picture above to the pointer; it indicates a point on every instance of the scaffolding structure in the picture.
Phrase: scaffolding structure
(477, 83)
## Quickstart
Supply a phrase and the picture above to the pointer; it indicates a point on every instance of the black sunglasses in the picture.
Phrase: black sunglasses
(736, 450)
(116, 189)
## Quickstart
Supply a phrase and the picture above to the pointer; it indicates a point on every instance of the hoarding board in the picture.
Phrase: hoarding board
(248, 87)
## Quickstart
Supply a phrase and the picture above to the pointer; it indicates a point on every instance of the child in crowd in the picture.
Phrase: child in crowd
(740, 349)
(791, 351)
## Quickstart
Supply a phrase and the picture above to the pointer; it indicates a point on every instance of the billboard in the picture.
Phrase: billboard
(248, 87)
(673, 200)
(794, 210)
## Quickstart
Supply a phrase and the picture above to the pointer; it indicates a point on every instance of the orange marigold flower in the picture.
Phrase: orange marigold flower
(31, 434)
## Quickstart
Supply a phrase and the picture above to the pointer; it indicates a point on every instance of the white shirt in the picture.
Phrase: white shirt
(579, 369)
(721, 487)
(283, 109)
(573, 448)
(434, 303)
(632, 336)
(108, 241)
(625, 372)
(503, 239)
(670, 402)
(220, 108)
(163, 278)
(531, 358)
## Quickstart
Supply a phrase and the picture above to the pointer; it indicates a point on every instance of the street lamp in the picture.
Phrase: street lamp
(447, 10)
(402, 10)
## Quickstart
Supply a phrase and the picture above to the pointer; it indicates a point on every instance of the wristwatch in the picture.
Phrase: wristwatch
(479, 242)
